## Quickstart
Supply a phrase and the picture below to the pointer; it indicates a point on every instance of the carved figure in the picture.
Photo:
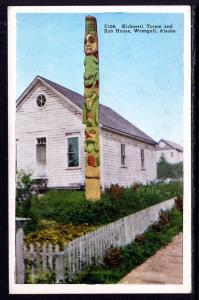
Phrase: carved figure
(91, 41)
(92, 146)
(91, 75)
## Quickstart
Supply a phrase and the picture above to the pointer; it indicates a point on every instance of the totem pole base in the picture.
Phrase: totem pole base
(92, 187)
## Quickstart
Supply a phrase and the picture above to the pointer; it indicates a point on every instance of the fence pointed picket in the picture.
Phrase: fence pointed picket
(20, 267)
(38, 257)
(79, 253)
(103, 243)
(44, 258)
(95, 248)
(100, 244)
(67, 251)
(91, 248)
(84, 251)
(50, 256)
(72, 259)
(32, 262)
(59, 265)
(76, 254)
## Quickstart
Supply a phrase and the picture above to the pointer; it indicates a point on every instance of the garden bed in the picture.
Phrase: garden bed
(119, 261)
(57, 234)
(70, 207)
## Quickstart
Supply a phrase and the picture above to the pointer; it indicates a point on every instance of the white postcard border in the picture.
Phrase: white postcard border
(115, 288)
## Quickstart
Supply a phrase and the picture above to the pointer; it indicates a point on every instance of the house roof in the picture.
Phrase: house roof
(109, 119)
(169, 145)
(166, 147)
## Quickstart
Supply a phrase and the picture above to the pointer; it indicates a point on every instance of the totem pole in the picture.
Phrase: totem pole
(91, 110)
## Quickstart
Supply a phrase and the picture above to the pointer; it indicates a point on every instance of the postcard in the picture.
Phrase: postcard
(99, 149)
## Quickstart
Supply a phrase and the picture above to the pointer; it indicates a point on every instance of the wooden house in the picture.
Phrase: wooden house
(172, 152)
(50, 140)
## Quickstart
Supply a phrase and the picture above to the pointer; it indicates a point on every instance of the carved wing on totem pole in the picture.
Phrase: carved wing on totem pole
(91, 110)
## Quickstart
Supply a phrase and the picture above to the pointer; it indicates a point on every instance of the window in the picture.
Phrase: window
(41, 150)
(73, 151)
(123, 156)
(142, 158)
(41, 100)
(171, 154)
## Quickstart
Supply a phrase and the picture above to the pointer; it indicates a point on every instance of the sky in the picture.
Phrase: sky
(141, 74)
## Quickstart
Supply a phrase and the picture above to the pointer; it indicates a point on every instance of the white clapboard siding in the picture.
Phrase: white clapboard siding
(88, 249)
(132, 171)
(175, 158)
(55, 121)
(58, 119)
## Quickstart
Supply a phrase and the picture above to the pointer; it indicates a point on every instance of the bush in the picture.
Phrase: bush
(24, 184)
(167, 170)
(179, 203)
(42, 277)
(136, 186)
(116, 191)
(57, 233)
(113, 257)
(66, 207)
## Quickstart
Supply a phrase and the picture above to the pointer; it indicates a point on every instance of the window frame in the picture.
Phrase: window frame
(123, 155)
(45, 143)
(68, 136)
(142, 158)
(39, 94)
(35, 168)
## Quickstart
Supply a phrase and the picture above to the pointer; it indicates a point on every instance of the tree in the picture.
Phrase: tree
(165, 169)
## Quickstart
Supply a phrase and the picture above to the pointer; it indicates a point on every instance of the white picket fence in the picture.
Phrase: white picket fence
(90, 248)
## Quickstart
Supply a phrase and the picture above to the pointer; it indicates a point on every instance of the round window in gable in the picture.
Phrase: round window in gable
(41, 100)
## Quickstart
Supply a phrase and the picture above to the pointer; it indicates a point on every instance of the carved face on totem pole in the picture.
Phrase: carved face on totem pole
(90, 44)
(91, 39)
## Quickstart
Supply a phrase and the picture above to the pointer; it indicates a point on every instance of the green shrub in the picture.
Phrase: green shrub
(167, 170)
(66, 207)
(135, 187)
(116, 191)
(24, 186)
(47, 277)
(104, 275)
(179, 203)
(113, 257)
(57, 234)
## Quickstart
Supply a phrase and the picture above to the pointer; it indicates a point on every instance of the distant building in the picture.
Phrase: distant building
(171, 151)
(50, 140)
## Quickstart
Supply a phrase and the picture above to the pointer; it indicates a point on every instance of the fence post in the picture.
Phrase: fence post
(20, 268)
(59, 265)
